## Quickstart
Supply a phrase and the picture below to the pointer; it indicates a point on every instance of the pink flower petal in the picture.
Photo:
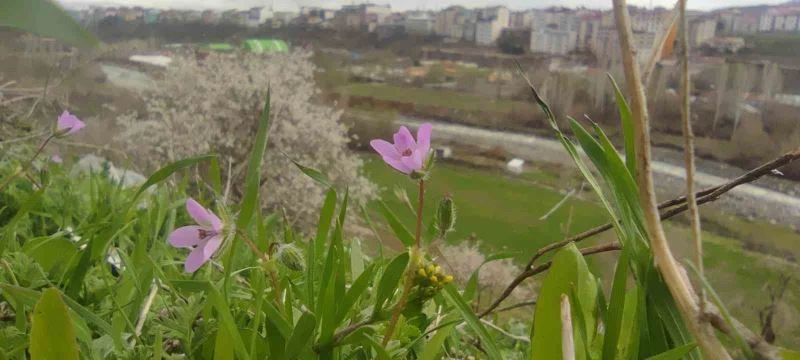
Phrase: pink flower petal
(185, 237)
(202, 254)
(384, 148)
(56, 159)
(412, 162)
(211, 246)
(202, 216)
(195, 260)
(398, 165)
(424, 138)
(71, 122)
(404, 140)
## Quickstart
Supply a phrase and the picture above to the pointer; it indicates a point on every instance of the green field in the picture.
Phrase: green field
(430, 97)
(503, 212)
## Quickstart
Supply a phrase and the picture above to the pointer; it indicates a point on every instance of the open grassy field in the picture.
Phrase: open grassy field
(429, 97)
(503, 211)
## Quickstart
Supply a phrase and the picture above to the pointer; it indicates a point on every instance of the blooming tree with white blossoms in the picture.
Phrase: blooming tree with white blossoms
(212, 105)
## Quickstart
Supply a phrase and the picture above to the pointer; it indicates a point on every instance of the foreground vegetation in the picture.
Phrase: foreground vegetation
(193, 262)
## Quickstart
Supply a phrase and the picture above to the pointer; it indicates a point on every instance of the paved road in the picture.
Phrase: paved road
(748, 199)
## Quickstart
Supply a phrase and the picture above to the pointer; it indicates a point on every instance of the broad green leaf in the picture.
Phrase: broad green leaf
(165, 172)
(253, 176)
(50, 253)
(359, 337)
(227, 321)
(314, 174)
(402, 233)
(569, 270)
(453, 297)
(390, 280)
(302, 335)
(675, 354)
(52, 334)
(626, 118)
(277, 319)
(45, 18)
(29, 298)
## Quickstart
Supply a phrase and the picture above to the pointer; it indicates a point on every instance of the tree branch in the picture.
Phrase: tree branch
(528, 272)
(681, 290)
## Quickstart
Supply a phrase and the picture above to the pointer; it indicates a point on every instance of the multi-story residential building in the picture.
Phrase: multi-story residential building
(450, 22)
(745, 24)
(210, 16)
(490, 23)
(588, 27)
(521, 19)
(151, 16)
(608, 50)
(702, 29)
(785, 19)
(257, 16)
(553, 41)
(358, 17)
(419, 23)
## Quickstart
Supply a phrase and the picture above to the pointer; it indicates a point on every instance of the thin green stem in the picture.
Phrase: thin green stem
(265, 256)
(409, 273)
(29, 163)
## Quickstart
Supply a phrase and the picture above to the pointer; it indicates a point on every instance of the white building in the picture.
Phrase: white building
(490, 24)
(608, 50)
(702, 30)
(553, 41)
(257, 16)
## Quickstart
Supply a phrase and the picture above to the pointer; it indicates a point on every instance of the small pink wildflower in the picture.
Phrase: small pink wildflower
(69, 123)
(204, 238)
(56, 159)
(406, 155)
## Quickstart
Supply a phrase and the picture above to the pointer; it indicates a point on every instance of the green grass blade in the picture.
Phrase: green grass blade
(626, 118)
(399, 230)
(164, 172)
(358, 288)
(676, 353)
(616, 308)
(52, 333)
(390, 280)
(314, 174)
(45, 18)
(453, 297)
(253, 177)
(227, 321)
(317, 246)
(301, 335)
(215, 173)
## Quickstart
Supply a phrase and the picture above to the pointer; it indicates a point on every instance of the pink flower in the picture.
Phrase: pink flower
(204, 238)
(56, 159)
(69, 123)
(406, 155)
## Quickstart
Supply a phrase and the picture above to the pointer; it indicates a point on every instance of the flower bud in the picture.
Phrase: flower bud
(291, 257)
(445, 216)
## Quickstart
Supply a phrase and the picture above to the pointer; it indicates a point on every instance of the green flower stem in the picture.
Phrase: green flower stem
(29, 163)
(272, 273)
(409, 273)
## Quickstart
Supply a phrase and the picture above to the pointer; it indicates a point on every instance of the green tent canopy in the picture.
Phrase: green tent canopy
(265, 46)
(221, 47)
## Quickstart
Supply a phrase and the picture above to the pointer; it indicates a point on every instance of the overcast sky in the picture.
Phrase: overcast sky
(407, 4)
